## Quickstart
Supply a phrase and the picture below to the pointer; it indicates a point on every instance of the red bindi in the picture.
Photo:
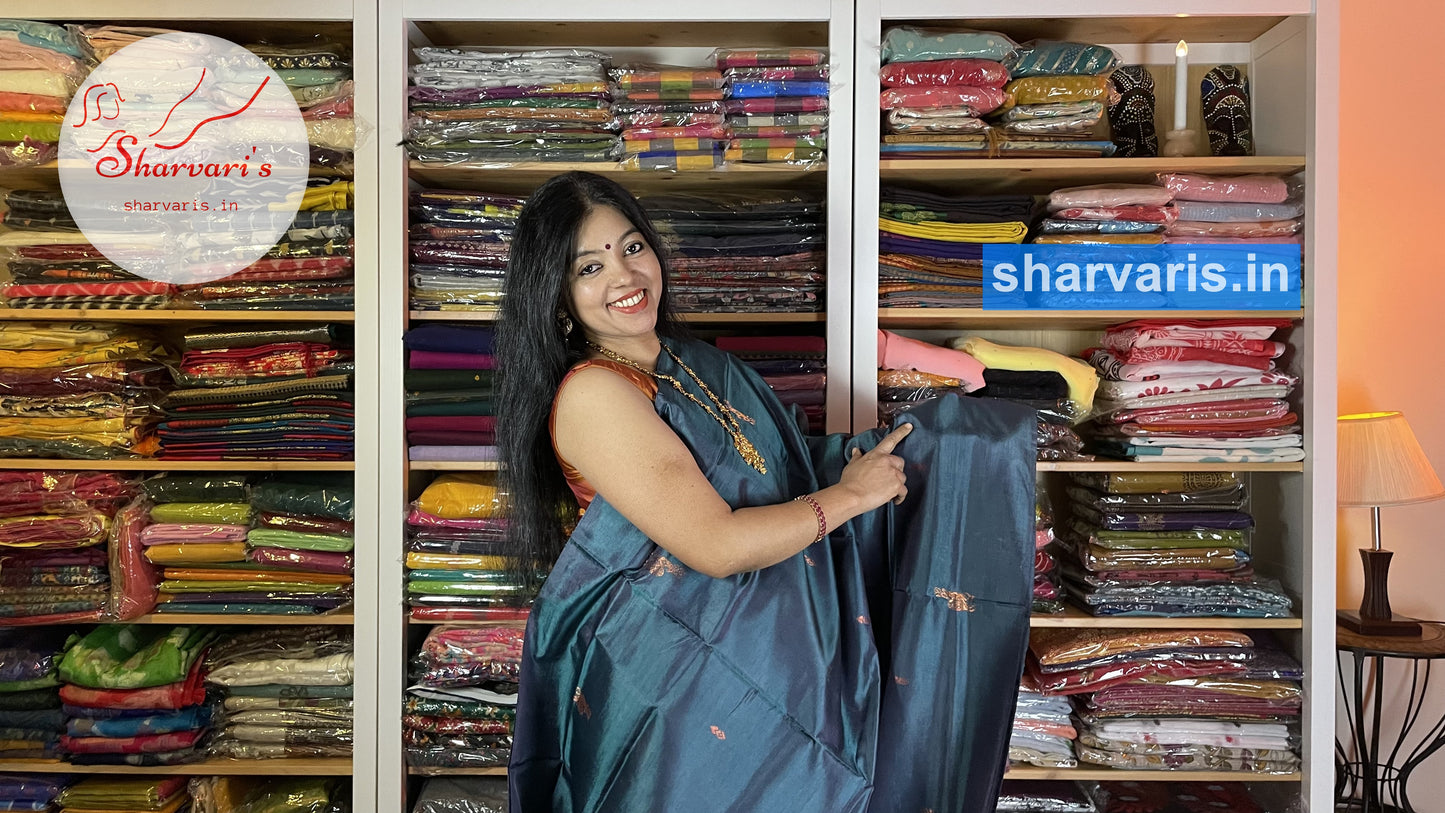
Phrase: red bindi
(608, 246)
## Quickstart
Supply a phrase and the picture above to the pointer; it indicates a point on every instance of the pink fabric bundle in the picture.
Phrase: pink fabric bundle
(1137, 214)
(133, 578)
(1102, 195)
(173, 533)
(1141, 355)
(422, 519)
(1114, 368)
(437, 360)
(978, 100)
(312, 560)
(979, 73)
(1212, 410)
(1247, 336)
(897, 352)
(1263, 228)
(1236, 189)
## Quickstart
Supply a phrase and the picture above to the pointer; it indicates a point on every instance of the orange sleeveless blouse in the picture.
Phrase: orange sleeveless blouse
(581, 489)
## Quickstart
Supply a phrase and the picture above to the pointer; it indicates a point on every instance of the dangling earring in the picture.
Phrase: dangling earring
(565, 322)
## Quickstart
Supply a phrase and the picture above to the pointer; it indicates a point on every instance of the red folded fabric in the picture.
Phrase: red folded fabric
(90, 289)
(454, 438)
(146, 744)
(773, 344)
(977, 100)
(188, 692)
(448, 423)
(979, 73)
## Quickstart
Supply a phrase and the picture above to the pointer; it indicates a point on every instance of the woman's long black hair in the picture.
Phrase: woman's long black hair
(533, 355)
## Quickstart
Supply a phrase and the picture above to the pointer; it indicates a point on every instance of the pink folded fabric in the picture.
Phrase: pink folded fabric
(1234, 241)
(146, 744)
(1109, 195)
(977, 100)
(436, 360)
(90, 289)
(1263, 228)
(1235, 189)
(979, 73)
(316, 561)
(173, 533)
(422, 519)
(897, 352)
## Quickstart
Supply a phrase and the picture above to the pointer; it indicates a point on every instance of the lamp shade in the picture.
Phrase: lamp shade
(1381, 463)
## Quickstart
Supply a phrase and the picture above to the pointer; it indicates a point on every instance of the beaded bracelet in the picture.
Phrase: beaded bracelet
(818, 512)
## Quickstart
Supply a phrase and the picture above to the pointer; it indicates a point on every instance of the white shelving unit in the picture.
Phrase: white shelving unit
(281, 19)
(1290, 50)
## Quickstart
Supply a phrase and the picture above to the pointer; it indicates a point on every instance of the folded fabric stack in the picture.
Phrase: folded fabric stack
(671, 117)
(1048, 595)
(1059, 389)
(449, 410)
(462, 703)
(31, 720)
(794, 366)
(1177, 797)
(253, 794)
(52, 265)
(459, 247)
(1042, 734)
(79, 390)
(1059, 93)
(35, 792)
(295, 560)
(54, 527)
(1173, 544)
(456, 533)
(930, 246)
(455, 794)
(1040, 796)
(288, 693)
(1108, 214)
(41, 65)
(938, 85)
(743, 253)
(470, 105)
(1172, 699)
(318, 74)
(310, 269)
(116, 794)
(134, 695)
(1184, 390)
(1244, 209)
(911, 372)
(777, 104)
(279, 393)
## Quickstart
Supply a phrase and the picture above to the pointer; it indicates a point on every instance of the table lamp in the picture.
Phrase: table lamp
(1381, 463)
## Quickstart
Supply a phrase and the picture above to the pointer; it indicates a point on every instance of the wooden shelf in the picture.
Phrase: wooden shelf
(330, 619)
(157, 464)
(1047, 174)
(1120, 775)
(168, 315)
(1075, 617)
(498, 771)
(1169, 23)
(964, 318)
(521, 178)
(1127, 465)
(210, 767)
(456, 465)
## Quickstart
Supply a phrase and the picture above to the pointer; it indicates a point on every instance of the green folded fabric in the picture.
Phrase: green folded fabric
(133, 656)
(287, 690)
(225, 513)
(488, 576)
(289, 795)
(441, 588)
(113, 793)
(319, 495)
(295, 540)
(447, 379)
(465, 408)
(449, 396)
(169, 488)
(208, 586)
(30, 699)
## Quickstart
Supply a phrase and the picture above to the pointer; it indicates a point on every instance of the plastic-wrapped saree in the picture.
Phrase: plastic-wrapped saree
(874, 671)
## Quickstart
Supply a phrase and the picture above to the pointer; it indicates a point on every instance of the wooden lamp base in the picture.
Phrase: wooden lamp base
(1374, 616)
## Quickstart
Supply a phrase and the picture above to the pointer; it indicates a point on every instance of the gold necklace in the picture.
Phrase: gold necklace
(726, 414)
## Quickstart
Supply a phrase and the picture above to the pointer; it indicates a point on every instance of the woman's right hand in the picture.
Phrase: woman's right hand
(876, 476)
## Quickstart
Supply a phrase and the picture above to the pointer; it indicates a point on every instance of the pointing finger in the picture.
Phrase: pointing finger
(891, 440)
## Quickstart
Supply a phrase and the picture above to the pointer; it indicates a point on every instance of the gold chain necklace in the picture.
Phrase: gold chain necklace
(726, 414)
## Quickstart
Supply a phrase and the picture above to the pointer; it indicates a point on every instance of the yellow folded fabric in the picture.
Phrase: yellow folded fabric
(1082, 379)
(56, 335)
(470, 495)
(1057, 89)
(454, 561)
(197, 553)
(115, 349)
(1012, 232)
(328, 198)
(915, 378)
(109, 432)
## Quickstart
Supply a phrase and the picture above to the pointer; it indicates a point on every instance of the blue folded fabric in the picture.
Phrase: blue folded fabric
(762, 90)
(188, 719)
(450, 339)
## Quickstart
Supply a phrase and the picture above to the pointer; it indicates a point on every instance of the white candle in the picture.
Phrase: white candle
(1181, 85)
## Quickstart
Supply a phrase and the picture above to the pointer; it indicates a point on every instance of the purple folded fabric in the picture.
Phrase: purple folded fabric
(171, 533)
(469, 453)
(427, 437)
(918, 246)
(241, 597)
(315, 561)
(452, 423)
(81, 557)
(433, 360)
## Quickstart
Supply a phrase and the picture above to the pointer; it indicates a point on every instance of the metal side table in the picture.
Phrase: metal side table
(1376, 779)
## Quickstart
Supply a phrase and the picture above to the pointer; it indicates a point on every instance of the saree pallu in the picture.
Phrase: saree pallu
(638, 667)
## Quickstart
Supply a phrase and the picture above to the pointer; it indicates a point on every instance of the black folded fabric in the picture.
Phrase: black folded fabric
(1023, 384)
(459, 408)
(447, 379)
(226, 337)
(963, 208)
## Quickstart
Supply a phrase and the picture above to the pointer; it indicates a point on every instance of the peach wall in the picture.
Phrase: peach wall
(1392, 293)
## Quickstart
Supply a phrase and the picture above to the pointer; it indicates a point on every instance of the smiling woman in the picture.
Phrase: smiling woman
(709, 623)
